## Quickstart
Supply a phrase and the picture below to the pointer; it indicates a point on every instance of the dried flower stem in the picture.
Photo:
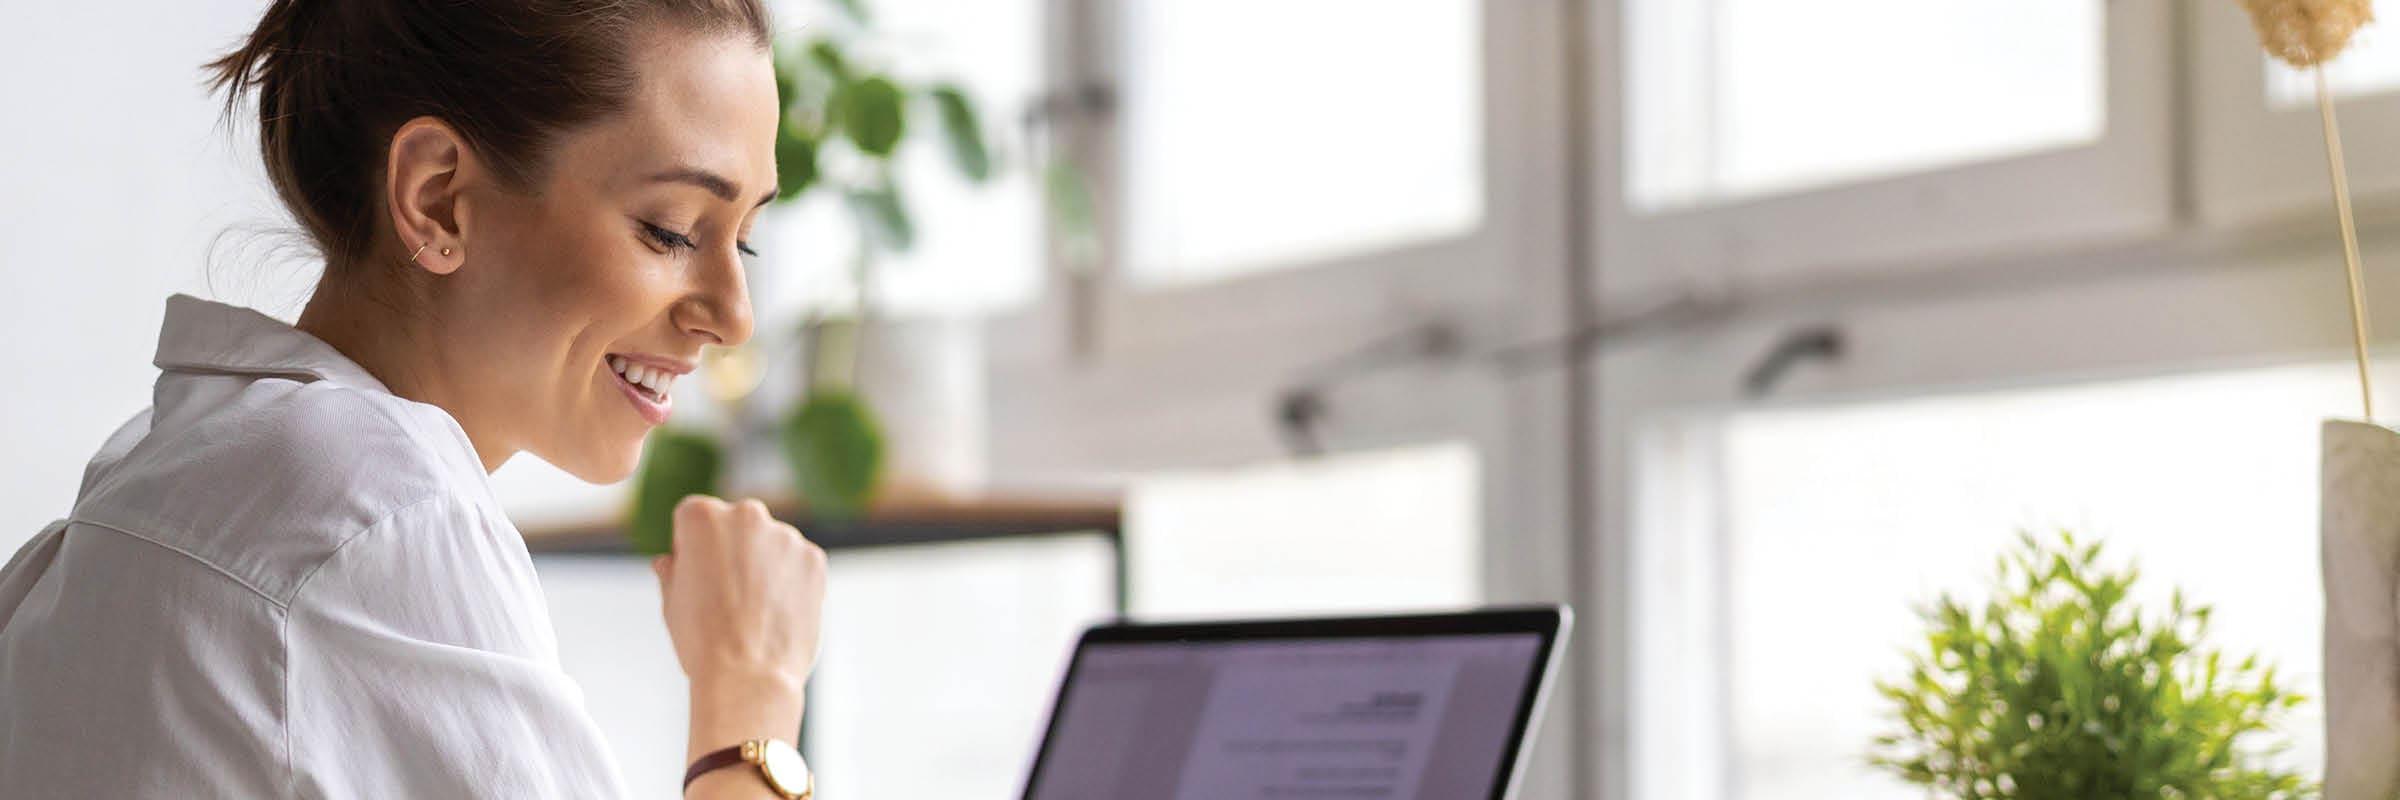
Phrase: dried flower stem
(2341, 207)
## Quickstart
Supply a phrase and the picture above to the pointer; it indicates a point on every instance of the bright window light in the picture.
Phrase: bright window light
(1735, 99)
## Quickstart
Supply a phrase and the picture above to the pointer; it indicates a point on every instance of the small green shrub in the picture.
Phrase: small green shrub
(2058, 688)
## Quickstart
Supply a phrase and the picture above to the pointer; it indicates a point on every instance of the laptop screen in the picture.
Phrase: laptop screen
(1391, 718)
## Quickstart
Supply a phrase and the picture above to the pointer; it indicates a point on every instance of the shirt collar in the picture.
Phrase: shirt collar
(203, 336)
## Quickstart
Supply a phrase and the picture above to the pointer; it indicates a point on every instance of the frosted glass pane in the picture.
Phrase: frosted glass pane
(1838, 522)
(1731, 99)
(1266, 133)
(2370, 65)
(940, 662)
(1356, 533)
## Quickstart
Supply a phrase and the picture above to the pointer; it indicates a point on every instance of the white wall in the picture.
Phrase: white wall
(121, 182)
(115, 181)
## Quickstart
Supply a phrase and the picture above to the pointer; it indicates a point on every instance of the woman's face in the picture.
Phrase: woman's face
(576, 305)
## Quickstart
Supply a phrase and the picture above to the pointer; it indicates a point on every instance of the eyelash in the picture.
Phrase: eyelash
(676, 241)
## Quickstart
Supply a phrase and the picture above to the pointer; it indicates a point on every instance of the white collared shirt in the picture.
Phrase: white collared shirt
(282, 580)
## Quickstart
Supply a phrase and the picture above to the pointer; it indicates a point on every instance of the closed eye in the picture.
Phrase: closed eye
(667, 238)
(676, 241)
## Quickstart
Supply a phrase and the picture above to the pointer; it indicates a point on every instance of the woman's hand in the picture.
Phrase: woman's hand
(744, 595)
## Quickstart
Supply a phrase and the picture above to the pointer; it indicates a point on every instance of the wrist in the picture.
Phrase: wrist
(748, 683)
(727, 710)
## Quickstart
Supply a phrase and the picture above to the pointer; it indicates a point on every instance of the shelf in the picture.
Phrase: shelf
(906, 520)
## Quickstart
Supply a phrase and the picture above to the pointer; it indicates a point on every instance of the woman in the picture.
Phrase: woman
(289, 577)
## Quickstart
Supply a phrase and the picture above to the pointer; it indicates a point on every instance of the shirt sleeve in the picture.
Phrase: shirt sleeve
(422, 664)
(26, 567)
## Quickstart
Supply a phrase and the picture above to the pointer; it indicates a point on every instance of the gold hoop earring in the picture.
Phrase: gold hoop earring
(412, 257)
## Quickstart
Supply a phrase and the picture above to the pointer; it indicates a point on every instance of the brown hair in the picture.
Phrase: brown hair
(336, 78)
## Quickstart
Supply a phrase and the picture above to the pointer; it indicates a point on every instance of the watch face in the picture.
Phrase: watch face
(784, 767)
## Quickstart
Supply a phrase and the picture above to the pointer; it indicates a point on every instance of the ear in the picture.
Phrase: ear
(429, 168)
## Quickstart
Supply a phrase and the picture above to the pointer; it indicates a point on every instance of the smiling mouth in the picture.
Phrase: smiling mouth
(651, 383)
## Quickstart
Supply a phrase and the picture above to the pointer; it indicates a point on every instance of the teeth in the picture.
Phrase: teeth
(658, 381)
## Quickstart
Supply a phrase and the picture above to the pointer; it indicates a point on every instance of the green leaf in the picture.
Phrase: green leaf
(886, 218)
(675, 464)
(857, 9)
(872, 114)
(965, 133)
(795, 165)
(828, 56)
(836, 452)
(2058, 685)
(787, 88)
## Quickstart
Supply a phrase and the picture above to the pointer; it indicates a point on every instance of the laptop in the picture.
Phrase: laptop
(1437, 706)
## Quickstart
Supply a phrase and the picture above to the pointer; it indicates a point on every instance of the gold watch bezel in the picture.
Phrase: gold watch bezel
(764, 753)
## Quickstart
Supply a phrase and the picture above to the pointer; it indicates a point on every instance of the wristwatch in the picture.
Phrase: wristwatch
(776, 760)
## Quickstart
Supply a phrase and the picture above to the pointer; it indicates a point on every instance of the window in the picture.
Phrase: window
(1352, 167)
(1732, 99)
(1783, 552)
(2258, 152)
(1773, 143)
(1290, 152)
(1371, 532)
(2369, 66)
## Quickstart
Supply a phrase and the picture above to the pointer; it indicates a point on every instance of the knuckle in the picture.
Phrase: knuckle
(696, 507)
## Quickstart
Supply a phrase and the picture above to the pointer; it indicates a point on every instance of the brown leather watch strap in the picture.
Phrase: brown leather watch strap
(728, 757)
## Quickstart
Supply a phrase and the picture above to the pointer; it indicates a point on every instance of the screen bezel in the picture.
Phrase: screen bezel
(1549, 622)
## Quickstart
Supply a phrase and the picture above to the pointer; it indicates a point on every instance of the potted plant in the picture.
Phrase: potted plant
(2058, 687)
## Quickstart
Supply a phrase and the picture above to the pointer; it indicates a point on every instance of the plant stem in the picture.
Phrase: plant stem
(2341, 205)
(862, 272)
(834, 359)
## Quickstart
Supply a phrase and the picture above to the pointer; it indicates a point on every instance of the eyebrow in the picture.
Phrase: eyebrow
(715, 184)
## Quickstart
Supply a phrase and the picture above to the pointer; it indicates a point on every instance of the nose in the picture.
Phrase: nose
(718, 309)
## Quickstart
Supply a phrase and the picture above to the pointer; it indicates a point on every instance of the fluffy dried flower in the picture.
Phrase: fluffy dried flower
(2305, 33)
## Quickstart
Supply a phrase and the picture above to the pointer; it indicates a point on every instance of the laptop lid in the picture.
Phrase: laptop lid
(1424, 706)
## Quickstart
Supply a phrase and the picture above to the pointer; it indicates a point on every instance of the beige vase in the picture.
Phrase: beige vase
(2360, 529)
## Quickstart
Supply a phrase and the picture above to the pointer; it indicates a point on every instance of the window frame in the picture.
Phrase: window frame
(1917, 222)
(2196, 305)
(1112, 323)
(1099, 380)
(1185, 376)
(2256, 166)
(2209, 279)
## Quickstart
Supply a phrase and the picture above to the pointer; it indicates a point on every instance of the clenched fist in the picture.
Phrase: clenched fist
(743, 596)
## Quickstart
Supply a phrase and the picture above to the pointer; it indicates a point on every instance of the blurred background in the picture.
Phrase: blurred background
(1748, 327)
